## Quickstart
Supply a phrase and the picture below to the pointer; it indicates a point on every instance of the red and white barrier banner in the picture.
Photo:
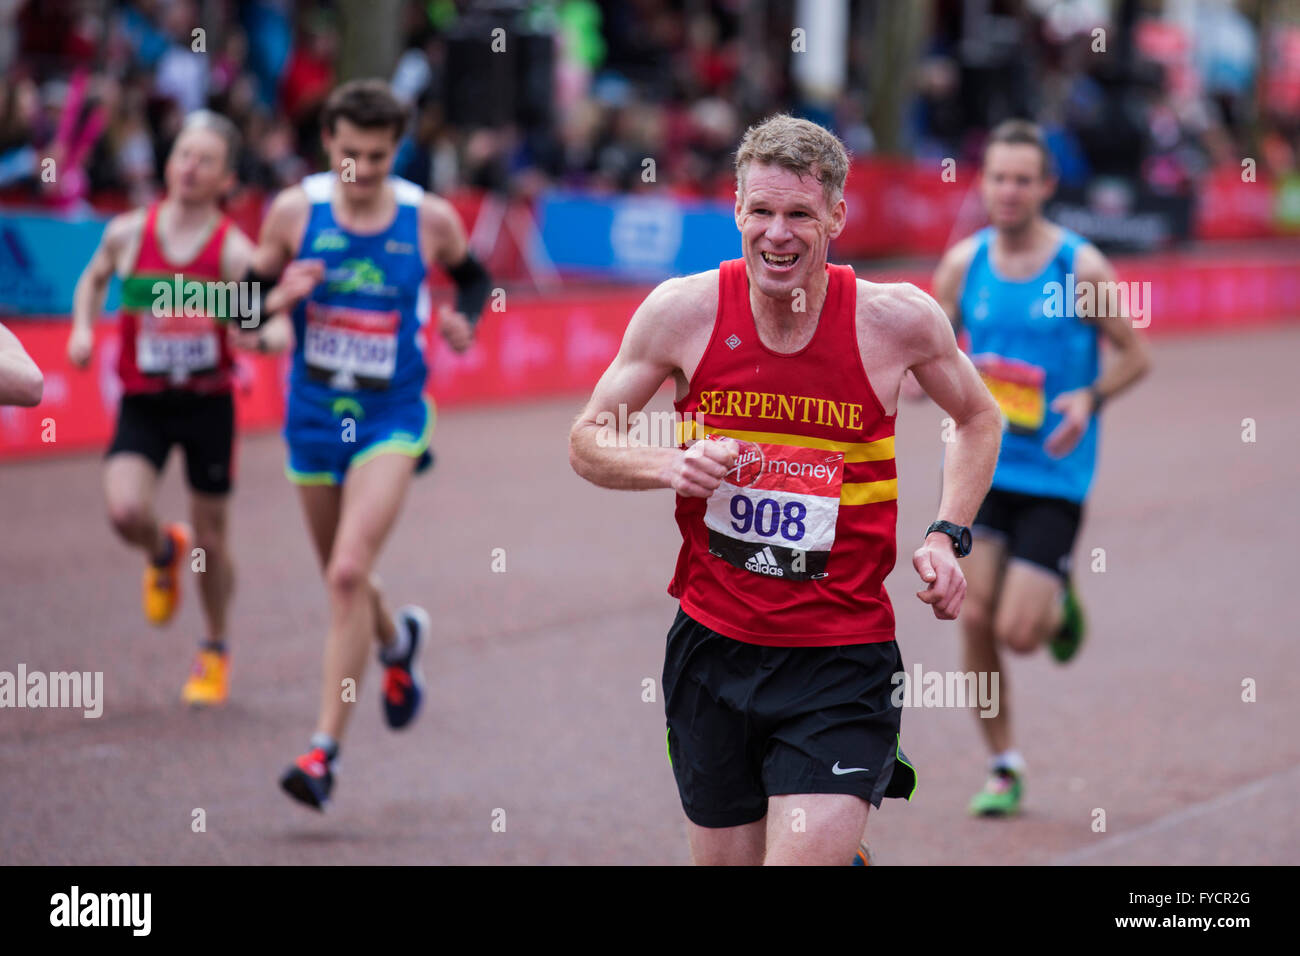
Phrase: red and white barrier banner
(1190, 292)
(535, 348)
(561, 344)
(78, 409)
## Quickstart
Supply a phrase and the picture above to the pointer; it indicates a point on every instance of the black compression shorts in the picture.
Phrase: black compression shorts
(746, 722)
(1039, 530)
(203, 425)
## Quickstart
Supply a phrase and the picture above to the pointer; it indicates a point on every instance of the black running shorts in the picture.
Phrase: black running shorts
(1034, 529)
(203, 425)
(746, 722)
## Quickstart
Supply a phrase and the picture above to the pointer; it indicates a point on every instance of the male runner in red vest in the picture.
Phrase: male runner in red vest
(176, 370)
(777, 680)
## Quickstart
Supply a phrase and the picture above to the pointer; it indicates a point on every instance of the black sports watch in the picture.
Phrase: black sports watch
(961, 540)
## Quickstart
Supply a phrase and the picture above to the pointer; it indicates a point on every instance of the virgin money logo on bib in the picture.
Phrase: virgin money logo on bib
(749, 464)
(774, 514)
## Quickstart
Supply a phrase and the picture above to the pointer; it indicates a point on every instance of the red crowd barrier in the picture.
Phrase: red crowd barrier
(79, 406)
(534, 348)
(560, 345)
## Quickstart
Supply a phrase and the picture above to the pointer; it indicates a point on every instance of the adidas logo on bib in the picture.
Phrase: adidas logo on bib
(764, 562)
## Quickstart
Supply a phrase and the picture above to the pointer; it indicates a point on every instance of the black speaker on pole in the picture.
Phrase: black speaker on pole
(481, 81)
(535, 80)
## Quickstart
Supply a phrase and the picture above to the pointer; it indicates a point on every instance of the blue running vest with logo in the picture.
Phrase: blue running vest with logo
(1029, 348)
(358, 333)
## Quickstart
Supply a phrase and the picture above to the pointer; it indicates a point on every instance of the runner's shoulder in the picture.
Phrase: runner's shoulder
(289, 203)
(684, 302)
(676, 312)
(287, 217)
(954, 263)
(434, 209)
(1091, 264)
(897, 312)
(124, 227)
(119, 242)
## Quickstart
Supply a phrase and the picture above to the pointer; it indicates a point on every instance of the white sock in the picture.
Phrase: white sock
(1010, 759)
(326, 743)
(401, 643)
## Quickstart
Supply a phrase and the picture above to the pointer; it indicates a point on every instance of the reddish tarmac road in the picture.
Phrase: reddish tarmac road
(536, 674)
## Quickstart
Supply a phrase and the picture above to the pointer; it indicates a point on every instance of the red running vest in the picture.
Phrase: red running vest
(173, 350)
(793, 548)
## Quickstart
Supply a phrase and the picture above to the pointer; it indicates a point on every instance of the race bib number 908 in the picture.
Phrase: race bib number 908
(775, 512)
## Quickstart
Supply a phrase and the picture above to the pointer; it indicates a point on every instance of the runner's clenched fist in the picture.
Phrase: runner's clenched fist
(701, 468)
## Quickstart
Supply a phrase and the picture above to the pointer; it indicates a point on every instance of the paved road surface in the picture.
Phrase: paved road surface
(537, 673)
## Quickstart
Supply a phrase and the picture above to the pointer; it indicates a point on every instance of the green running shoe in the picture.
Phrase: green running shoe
(1000, 796)
(1065, 643)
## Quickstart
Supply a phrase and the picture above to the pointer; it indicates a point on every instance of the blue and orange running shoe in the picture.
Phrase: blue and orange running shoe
(403, 688)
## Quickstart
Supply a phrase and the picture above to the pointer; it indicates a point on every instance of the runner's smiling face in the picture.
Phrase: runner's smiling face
(1014, 185)
(198, 168)
(362, 156)
(786, 226)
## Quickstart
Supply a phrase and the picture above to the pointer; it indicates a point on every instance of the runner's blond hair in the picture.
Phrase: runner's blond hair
(798, 145)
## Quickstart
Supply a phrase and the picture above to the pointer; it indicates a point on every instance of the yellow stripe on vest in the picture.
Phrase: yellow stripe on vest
(882, 449)
(868, 492)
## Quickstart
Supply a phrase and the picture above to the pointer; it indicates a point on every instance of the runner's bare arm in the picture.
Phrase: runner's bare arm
(442, 235)
(1128, 364)
(277, 245)
(92, 287)
(443, 240)
(278, 241)
(21, 382)
(236, 254)
(1131, 360)
(650, 353)
(281, 231)
(948, 277)
(949, 378)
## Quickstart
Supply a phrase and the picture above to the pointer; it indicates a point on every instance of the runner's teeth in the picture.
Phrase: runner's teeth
(779, 260)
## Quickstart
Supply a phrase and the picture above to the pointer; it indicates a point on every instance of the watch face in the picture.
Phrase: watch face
(965, 541)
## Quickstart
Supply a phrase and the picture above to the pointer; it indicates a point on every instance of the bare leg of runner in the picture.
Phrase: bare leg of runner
(129, 484)
(727, 846)
(984, 569)
(371, 499)
(814, 829)
(1029, 607)
(321, 505)
(217, 582)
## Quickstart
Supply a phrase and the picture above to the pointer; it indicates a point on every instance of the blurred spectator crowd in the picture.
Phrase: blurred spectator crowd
(103, 85)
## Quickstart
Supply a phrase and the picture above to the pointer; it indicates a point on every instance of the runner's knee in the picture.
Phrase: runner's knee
(212, 541)
(1019, 634)
(346, 577)
(129, 518)
(977, 617)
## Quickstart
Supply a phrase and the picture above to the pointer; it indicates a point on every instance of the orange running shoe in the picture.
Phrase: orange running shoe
(209, 682)
(162, 585)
